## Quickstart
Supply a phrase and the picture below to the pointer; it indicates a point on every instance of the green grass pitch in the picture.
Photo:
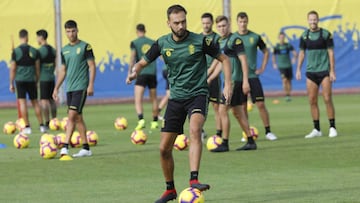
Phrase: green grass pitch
(291, 169)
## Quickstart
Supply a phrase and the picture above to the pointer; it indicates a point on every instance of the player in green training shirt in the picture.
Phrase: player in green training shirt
(214, 81)
(184, 52)
(147, 77)
(320, 71)
(251, 42)
(78, 66)
(47, 76)
(281, 60)
(25, 71)
(233, 47)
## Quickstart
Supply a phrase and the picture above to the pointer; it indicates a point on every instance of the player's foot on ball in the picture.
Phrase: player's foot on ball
(82, 153)
(140, 125)
(196, 184)
(221, 148)
(168, 195)
(154, 125)
(64, 152)
(314, 133)
(247, 146)
(271, 136)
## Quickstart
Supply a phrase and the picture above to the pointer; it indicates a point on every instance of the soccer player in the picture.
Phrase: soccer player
(320, 71)
(214, 80)
(251, 42)
(147, 77)
(184, 53)
(233, 47)
(281, 60)
(78, 67)
(25, 71)
(47, 77)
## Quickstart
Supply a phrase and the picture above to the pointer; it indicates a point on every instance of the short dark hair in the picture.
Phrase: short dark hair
(42, 33)
(23, 33)
(314, 13)
(208, 15)
(242, 14)
(221, 18)
(70, 24)
(281, 33)
(140, 27)
(175, 9)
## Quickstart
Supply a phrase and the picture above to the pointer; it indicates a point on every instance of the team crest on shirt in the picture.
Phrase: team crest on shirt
(168, 51)
(78, 50)
(88, 47)
(191, 49)
(251, 40)
(31, 55)
(238, 41)
(208, 41)
(145, 48)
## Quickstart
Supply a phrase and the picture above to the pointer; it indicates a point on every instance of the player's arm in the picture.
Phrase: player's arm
(294, 54)
(13, 67)
(61, 73)
(330, 45)
(215, 72)
(274, 59)
(261, 44)
(37, 70)
(238, 46)
(132, 57)
(149, 57)
(212, 67)
(90, 58)
(301, 58)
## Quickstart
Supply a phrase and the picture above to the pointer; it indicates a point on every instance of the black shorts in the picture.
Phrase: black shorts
(165, 76)
(256, 90)
(177, 110)
(286, 73)
(76, 100)
(238, 97)
(23, 88)
(146, 81)
(215, 90)
(317, 77)
(46, 89)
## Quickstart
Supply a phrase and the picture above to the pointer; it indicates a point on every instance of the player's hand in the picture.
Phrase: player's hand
(131, 77)
(298, 75)
(332, 76)
(259, 71)
(12, 88)
(246, 87)
(55, 95)
(90, 90)
(275, 66)
(227, 93)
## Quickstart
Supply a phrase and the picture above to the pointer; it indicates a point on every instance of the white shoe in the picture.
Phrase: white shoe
(243, 139)
(43, 129)
(332, 132)
(83, 153)
(26, 130)
(160, 118)
(64, 151)
(314, 133)
(271, 136)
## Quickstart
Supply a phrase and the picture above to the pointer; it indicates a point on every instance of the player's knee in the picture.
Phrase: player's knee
(165, 152)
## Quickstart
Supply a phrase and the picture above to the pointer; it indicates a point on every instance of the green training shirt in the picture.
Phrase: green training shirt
(25, 57)
(214, 37)
(47, 63)
(233, 47)
(251, 42)
(186, 62)
(282, 54)
(316, 45)
(141, 45)
(75, 58)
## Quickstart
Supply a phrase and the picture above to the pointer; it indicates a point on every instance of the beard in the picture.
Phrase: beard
(180, 34)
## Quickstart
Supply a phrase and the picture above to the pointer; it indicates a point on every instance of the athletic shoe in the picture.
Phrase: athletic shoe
(203, 136)
(140, 125)
(26, 130)
(247, 146)
(154, 125)
(288, 99)
(243, 139)
(160, 118)
(168, 195)
(332, 132)
(196, 184)
(314, 133)
(43, 129)
(221, 148)
(82, 153)
(270, 136)
(64, 151)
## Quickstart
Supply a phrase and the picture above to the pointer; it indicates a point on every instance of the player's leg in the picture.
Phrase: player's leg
(139, 94)
(330, 109)
(70, 126)
(152, 83)
(215, 97)
(312, 91)
(44, 101)
(216, 107)
(225, 126)
(53, 107)
(35, 103)
(21, 91)
(163, 103)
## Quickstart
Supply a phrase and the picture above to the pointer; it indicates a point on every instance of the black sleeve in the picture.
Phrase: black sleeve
(89, 55)
(132, 45)
(330, 41)
(153, 52)
(13, 56)
(63, 59)
(238, 46)
(302, 43)
(211, 47)
(261, 44)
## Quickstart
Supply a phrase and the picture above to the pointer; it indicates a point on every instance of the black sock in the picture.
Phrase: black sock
(194, 175)
(66, 146)
(27, 126)
(251, 140)
(332, 123)
(225, 142)
(317, 125)
(267, 130)
(155, 118)
(86, 146)
(219, 133)
(170, 185)
(140, 116)
(47, 123)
